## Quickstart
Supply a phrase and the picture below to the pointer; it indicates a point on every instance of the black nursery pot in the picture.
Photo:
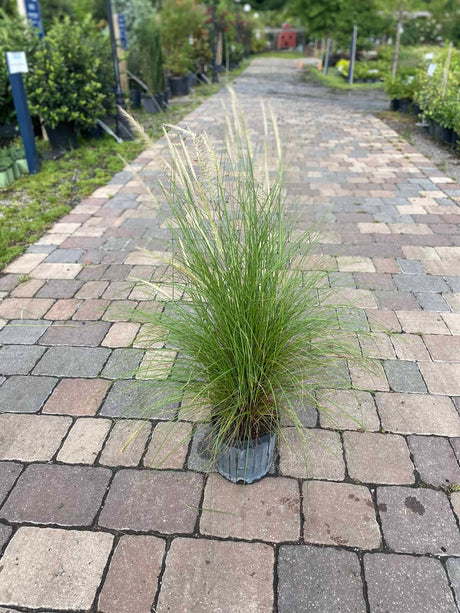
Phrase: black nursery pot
(96, 132)
(394, 104)
(447, 135)
(63, 137)
(135, 96)
(152, 104)
(405, 105)
(178, 86)
(249, 461)
(437, 131)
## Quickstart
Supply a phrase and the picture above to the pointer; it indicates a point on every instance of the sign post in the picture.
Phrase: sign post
(328, 55)
(30, 10)
(16, 63)
(351, 68)
(119, 27)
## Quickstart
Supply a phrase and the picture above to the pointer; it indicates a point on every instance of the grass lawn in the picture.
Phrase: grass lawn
(335, 81)
(32, 203)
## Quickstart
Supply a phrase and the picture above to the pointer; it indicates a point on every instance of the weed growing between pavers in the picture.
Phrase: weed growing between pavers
(247, 331)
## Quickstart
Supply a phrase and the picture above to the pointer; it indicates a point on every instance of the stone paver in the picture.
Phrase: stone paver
(407, 583)
(435, 460)
(5, 533)
(53, 494)
(23, 331)
(126, 443)
(312, 454)
(169, 445)
(75, 333)
(417, 414)
(9, 472)
(131, 582)
(442, 378)
(29, 438)
(268, 510)
(84, 441)
(166, 502)
(19, 359)
(418, 521)
(378, 458)
(205, 575)
(77, 396)
(79, 324)
(453, 570)
(53, 568)
(340, 514)
(404, 377)
(348, 410)
(72, 361)
(319, 579)
(20, 394)
(137, 399)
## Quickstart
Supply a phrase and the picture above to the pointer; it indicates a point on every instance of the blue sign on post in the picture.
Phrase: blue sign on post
(34, 15)
(122, 31)
(16, 63)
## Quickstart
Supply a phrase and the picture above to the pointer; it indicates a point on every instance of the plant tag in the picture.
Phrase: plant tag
(17, 62)
(429, 56)
(431, 69)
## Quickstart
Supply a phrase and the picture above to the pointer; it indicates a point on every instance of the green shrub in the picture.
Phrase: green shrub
(438, 108)
(64, 84)
(404, 85)
(179, 19)
(146, 59)
(14, 36)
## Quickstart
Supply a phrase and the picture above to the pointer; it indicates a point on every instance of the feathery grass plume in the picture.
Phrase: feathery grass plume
(254, 335)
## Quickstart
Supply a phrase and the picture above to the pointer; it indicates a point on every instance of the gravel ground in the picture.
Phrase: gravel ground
(444, 158)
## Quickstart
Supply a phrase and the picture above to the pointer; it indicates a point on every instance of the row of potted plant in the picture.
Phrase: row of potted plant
(431, 93)
(13, 164)
(364, 71)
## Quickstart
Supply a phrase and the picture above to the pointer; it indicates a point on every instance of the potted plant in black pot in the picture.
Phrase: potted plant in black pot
(149, 59)
(63, 84)
(253, 334)
(179, 21)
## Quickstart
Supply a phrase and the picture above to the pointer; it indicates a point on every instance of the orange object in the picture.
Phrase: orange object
(320, 65)
(300, 65)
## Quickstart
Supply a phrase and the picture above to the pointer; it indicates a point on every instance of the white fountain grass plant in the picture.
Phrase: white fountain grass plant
(254, 336)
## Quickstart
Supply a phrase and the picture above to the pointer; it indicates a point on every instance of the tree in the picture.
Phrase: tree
(335, 18)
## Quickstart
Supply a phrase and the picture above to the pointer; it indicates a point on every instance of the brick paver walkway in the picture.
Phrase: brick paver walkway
(372, 527)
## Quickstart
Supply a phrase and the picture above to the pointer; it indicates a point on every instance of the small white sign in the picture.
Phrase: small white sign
(429, 56)
(431, 69)
(17, 62)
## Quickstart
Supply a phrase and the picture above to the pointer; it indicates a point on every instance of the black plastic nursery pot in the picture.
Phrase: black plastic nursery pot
(152, 104)
(405, 105)
(394, 104)
(95, 133)
(437, 131)
(135, 96)
(447, 135)
(192, 79)
(63, 137)
(178, 86)
(249, 461)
